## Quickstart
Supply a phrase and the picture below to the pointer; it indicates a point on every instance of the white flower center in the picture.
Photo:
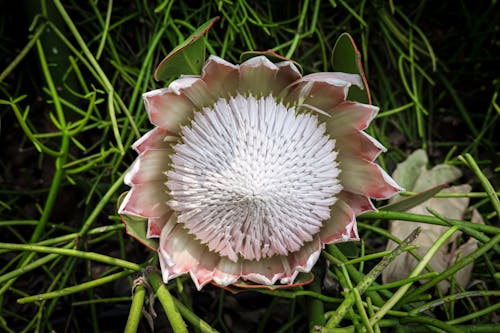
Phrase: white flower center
(253, 179)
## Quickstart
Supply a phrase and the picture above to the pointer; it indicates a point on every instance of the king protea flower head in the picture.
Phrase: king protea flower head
(251, 169)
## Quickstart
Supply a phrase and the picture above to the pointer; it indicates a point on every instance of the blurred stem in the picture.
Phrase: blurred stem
(316, 308)
(166, 299)
(134, 316)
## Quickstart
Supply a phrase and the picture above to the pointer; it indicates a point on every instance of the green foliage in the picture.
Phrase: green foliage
(67, 127)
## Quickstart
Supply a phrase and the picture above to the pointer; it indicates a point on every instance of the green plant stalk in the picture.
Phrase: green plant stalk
(134, 316)
(299, 293)
(316, 309)
(345, 306)
(428, 321)
(373, 256)
(101, 204)
(356, 275)
(455, 297)
(390, 215)
(60, 161)
(474, 315)
(167, 301)
(196, 321)
(74, 289)
(23, 269)
(416, 271)
(104, 78)
(13, 64)
(73, 253)
(399, 283)
(362, 311)
(471, 163)
(453, 269)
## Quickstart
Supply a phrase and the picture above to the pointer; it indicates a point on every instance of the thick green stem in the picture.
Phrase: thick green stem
(167, 301)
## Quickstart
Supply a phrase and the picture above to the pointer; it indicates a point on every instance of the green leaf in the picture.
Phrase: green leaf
(136, 227)
(349, 249)
(346, 58)
(413, 201)
(188, 57)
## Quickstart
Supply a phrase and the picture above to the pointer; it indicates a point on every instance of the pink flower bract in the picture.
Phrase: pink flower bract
(251, 169)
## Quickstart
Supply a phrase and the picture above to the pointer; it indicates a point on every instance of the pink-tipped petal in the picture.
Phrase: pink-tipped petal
(149, 166)
(341, 227)
(358, 202)
(335, 77)
(367, 178)
(157, 225)
(301, 261)
(316, 95)
(257, 76)
(347, 116)
(195, 89)
(154, 139)
(227, 272)
(181, 254)
(359, 144)
(167, 109)
(265, 271)
(221, 76)
(286, 75)
(146, 200)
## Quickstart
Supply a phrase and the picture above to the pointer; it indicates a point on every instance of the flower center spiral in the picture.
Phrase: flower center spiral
(253, 179)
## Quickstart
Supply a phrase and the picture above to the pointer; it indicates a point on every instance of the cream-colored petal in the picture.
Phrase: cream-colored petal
(358, 202)
(157, 138)
(227, 272)
(220, 76)
(359, 144)
(367, 178)
(195, 89)
(265, 271)
(347, 116)
(167, 109)
(257, 76)
(146, 200)
(341, 227)
(149, 166)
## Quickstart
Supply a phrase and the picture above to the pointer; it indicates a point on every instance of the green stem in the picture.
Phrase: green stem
(23, 52)
(73, 253)
(350, 299)
(196, 321)
(134, 316)
(74, 289)
(452, 270)
(471, 163)
(416, 271)
(167, 301)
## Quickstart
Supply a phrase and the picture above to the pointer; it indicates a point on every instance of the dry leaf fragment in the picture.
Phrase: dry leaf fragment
(414, 176)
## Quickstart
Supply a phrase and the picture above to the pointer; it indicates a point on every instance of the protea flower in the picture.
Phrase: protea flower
(250, 169)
